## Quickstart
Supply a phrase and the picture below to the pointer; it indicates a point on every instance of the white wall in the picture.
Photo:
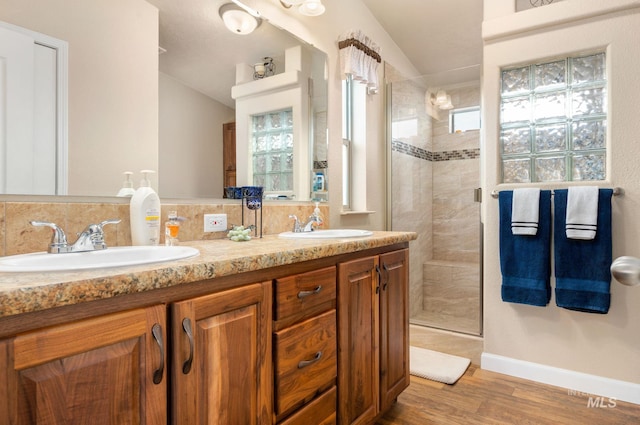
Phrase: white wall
(113, 56)
(190, 141)
(600, 345)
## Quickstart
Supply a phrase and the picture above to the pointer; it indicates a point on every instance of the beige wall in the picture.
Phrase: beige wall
(190, 141)
(602, 345)
(120, 131)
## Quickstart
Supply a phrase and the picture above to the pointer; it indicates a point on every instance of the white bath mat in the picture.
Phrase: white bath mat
(436, 366)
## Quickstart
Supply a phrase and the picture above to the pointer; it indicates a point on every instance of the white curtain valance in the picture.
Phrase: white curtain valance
(359, 57)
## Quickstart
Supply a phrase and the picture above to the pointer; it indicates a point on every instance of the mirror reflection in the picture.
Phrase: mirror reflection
(133, 106)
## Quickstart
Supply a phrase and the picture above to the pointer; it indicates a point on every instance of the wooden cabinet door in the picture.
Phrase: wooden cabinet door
(358, 367)
(221, 358)
(105, 370)
(394, 326)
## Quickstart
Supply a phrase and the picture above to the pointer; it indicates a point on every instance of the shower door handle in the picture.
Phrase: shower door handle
(477, 195)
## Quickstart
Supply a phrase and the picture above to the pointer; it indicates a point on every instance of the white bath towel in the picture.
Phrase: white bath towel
(582, 212)
(525, 211)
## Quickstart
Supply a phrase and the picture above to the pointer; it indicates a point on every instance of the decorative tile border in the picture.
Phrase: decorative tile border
(407, 149)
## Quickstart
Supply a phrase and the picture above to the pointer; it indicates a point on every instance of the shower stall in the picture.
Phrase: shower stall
(434, 163)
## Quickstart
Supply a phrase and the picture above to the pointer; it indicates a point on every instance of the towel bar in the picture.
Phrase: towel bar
(617, 191)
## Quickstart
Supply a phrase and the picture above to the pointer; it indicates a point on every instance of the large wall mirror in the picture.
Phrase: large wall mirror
(152, 90)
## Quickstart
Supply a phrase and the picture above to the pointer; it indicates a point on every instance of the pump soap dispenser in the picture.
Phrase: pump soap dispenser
(127, 186)
(145, 213)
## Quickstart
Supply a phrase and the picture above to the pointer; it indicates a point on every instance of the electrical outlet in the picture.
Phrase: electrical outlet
(215, 222)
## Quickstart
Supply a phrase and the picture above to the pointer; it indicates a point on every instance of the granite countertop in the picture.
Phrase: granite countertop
(30, 292)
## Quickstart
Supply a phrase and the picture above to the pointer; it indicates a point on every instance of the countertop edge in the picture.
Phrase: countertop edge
(30, 292)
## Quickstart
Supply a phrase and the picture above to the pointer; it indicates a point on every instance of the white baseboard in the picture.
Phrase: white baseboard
(577, 383)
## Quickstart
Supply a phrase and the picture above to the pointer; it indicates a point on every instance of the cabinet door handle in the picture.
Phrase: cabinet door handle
(379, 278)
(304, 294)
(386, 282)
(305, 363)
(156, 331)
(186, 326)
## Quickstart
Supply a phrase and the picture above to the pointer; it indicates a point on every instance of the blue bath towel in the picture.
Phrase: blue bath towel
(525, 260)
(582, 266)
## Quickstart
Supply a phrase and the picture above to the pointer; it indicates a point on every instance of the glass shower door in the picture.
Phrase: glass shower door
(433, 176)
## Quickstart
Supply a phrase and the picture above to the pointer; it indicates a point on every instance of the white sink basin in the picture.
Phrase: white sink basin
(110, 257)
(327, 234)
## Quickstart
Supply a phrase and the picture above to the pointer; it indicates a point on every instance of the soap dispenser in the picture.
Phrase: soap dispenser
(145, 213)
(318, 219)
(127, 186)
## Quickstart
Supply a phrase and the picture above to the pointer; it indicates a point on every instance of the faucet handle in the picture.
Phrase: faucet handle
(96, 232)
(110, 221)
(58, 238)
(296, 223)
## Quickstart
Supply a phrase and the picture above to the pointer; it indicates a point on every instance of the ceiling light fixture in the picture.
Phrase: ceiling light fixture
(442, 100)
(238, 18)
(306, 7)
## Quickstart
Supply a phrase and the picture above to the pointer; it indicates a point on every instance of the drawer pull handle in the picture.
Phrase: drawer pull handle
(156, 331)
(304, 294)
(305, 363)
(186, 325)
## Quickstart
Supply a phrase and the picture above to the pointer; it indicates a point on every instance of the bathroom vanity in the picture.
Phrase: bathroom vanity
(268, 331)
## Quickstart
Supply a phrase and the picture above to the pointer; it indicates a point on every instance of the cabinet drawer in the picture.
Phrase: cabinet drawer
(305, 294)
(305, 360)
(321, 411)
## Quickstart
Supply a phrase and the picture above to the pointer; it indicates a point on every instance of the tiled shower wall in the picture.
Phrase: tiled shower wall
(451, 287)
(17, 236)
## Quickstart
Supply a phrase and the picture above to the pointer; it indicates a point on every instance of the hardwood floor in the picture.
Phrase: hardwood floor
(484, 398)
(481, 397)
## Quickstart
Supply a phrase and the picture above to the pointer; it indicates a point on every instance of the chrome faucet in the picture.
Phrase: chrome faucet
(308, 226)
(90, 239)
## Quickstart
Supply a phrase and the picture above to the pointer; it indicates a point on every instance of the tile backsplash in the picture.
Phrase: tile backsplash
(18, 236)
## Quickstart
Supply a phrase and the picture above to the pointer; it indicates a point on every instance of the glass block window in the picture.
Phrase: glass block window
(272, 142)
(553, 120)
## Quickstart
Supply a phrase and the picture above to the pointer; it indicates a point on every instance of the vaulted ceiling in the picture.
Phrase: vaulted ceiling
(436, 35)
